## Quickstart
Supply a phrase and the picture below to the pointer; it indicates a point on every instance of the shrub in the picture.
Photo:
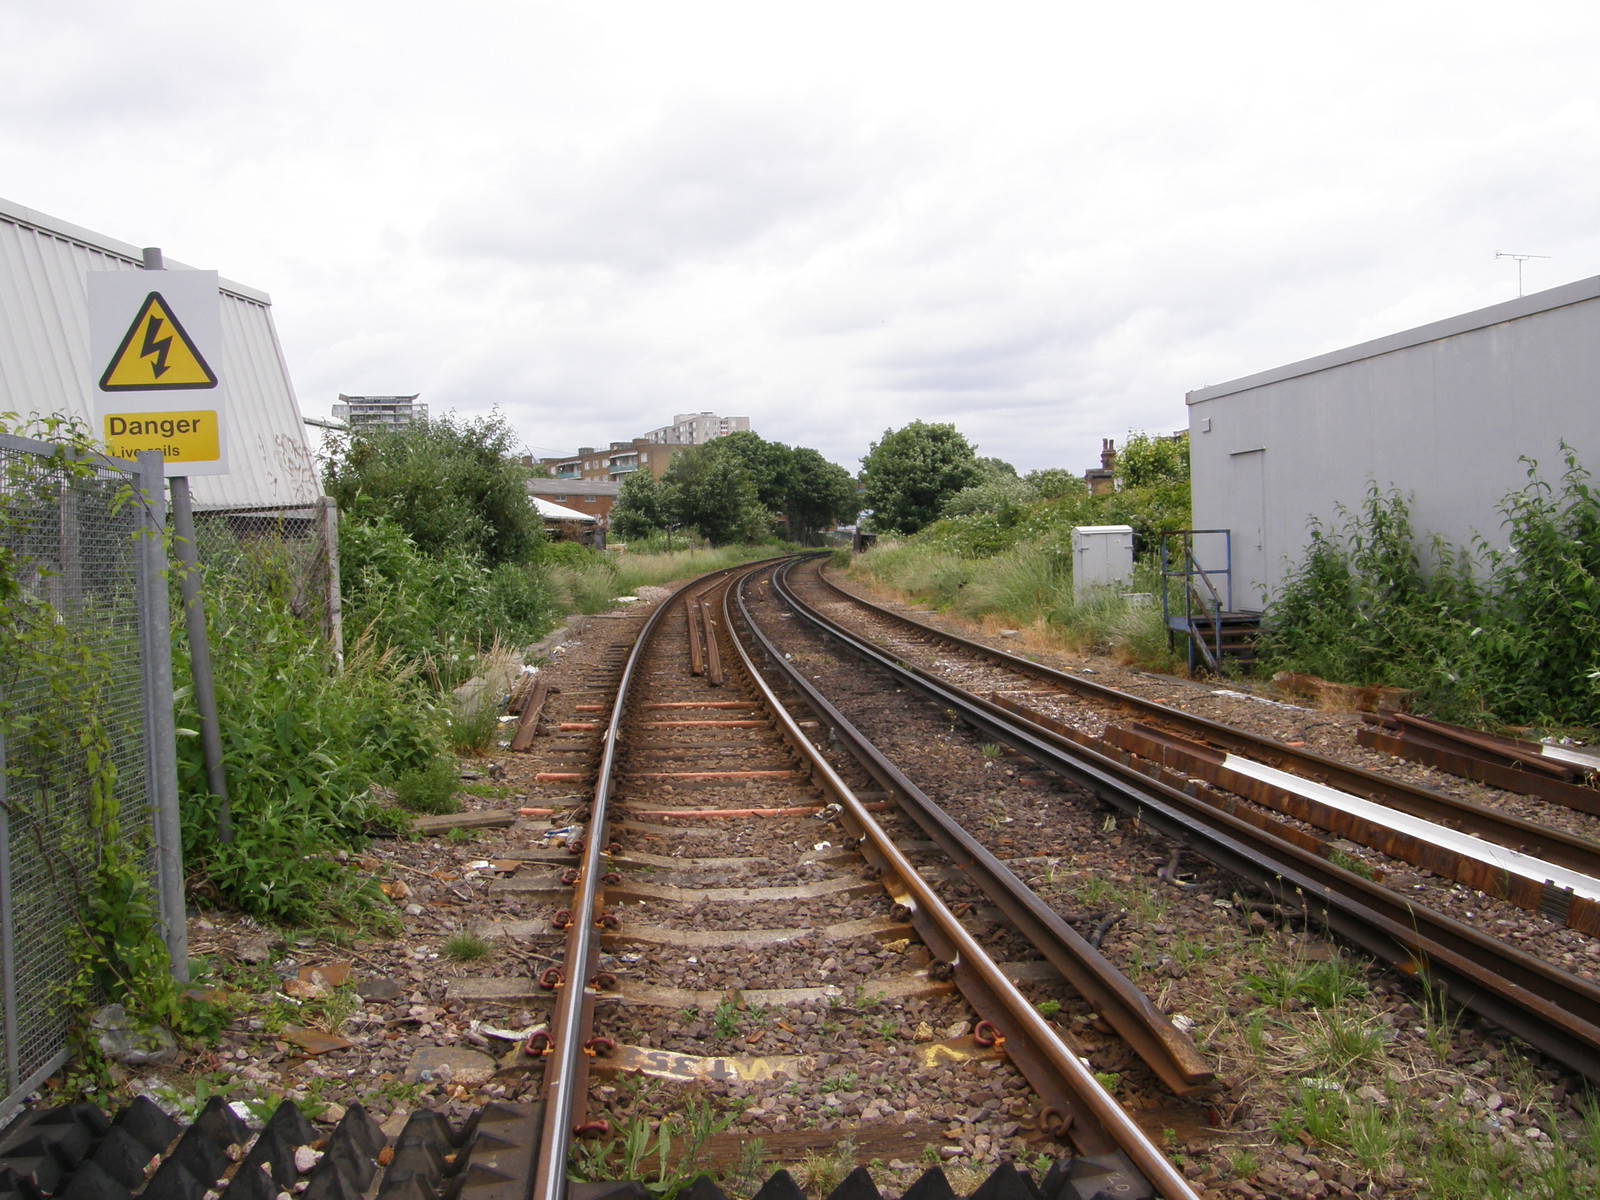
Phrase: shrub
(437, 610)
(1512, 636)
(429, 789)
(451, 484)
(302, 743)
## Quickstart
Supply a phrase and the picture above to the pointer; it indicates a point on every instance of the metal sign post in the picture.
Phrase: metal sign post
(148, 342)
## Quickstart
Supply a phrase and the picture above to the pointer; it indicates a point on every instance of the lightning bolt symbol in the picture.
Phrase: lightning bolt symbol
(159, 346)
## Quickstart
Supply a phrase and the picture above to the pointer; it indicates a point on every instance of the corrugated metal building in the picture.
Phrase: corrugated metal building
(1444, 413)
(45, 367)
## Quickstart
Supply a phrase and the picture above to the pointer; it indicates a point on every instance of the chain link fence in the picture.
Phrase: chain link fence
(289, 551)
(85, 676)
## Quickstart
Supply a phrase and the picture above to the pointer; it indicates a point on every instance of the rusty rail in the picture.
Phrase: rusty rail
(1171, 1055)
(1554, 1010)
(571, 1025)
(1568, 850)
(1200, 762)
(1072, 1095)
(1497, 762)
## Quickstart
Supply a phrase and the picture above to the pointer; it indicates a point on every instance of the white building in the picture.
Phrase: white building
(1445, 413)
(369, 412)
(45, 367)
(696, 429)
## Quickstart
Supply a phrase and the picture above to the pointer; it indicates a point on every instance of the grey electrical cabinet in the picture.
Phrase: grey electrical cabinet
(1102, 557)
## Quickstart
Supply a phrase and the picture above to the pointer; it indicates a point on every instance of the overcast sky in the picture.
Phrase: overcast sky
(1043, 222)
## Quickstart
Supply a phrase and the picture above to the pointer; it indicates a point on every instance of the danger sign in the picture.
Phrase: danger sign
(152, 334)
(186, 438)
(157, 354)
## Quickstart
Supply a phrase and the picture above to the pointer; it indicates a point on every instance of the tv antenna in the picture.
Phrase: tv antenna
(1521, 258)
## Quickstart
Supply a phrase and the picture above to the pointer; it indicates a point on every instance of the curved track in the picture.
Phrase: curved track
(1550, 1008)
(685, 755)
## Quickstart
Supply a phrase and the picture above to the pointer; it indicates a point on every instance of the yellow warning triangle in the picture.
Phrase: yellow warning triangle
(156, 355)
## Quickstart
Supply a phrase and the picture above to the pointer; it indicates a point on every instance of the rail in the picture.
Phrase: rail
(571, 1025)
(1551, 1009)
(1170, 1054)
(1049, 1065)
(1566, 849)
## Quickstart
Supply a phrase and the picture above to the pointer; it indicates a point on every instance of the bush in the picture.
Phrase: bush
(429, 789)
(437, 611)
(1509, 637)
(1027, 586)
(302, 743)
(452, 485)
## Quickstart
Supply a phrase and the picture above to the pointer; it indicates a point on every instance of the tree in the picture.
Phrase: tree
(996, 468)
(1053, 483)
(908, 475)
(641, 506)
(709, 488)
(450, 484)
(997, 494)
(770, 465)
(1147, 460)
(821, 494)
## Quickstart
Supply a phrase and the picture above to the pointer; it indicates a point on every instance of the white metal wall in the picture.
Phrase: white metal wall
(45, 368)
(1442, 412)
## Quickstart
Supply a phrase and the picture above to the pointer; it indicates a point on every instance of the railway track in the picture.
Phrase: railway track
(760, 923)
(740, 937)
(1165, 776)
(721, 855)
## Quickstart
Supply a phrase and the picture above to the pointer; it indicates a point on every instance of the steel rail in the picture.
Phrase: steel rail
(1170, 1054)
(566, 1064)
(1048, 1064)
(1472, 755)
(1565, 849)
(1551, 1009)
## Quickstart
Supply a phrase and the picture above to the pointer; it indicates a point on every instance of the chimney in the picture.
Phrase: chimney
(1108, 454)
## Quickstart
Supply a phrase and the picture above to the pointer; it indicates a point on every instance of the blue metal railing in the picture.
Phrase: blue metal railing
(1200, 618)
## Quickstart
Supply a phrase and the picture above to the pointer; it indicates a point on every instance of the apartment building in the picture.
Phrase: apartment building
(368, 412)
(652, 452)
(696, 429)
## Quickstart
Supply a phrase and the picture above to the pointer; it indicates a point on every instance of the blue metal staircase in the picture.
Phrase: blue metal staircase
(1197, 600)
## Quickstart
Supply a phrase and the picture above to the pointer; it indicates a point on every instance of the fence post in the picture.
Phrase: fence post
(194, 618)
(8, 940)
(333, 611)
(161, 760)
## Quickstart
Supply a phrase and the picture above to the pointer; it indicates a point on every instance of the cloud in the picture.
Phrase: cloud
(703, 178)
(1042, 223)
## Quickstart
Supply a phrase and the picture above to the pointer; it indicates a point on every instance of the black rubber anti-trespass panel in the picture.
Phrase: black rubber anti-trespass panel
(43, 1149)
(74, 1153)
(931, 1185)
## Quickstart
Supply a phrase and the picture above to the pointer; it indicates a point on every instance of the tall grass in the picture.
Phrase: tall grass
(302, 742)
(1028, 586)
(589, 581)
(1492, 637)
(438, 610)
(653, 568)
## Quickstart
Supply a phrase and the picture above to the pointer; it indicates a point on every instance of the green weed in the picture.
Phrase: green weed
(1319, 984)
(1368, 604)
(677, 1144)
(474, 725)
(466, 947)
(1349, 862)
(725, 1018)
(430, 789)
